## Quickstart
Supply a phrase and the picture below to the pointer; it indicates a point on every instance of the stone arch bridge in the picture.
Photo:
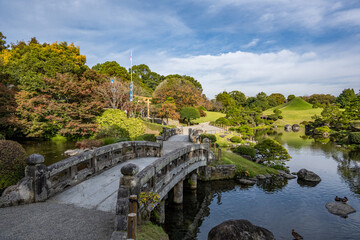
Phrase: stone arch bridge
(93, 179)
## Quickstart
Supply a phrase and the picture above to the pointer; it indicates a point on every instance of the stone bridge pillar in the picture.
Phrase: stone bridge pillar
(193, 180)
(160, 208)
(178, 192)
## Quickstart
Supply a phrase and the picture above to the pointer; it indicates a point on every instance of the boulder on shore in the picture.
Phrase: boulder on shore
(339, 208)
(239, 230)
(308, 176)
(246, 181)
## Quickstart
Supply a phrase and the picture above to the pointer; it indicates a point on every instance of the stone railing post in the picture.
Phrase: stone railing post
(164, 133)
(160, 139)
(127, 187)
(38, 172)
(129, 179)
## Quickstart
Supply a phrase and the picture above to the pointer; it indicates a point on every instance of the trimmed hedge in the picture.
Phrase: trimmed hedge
(245, 150)
(211, 137)
(12, 163)
(354, 137)
(146, 137)
(236, 139)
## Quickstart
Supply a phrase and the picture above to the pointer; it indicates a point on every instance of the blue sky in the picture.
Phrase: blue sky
(288, 46)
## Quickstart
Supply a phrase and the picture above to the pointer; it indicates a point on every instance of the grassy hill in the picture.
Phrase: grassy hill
(295, 111)
(210, 117)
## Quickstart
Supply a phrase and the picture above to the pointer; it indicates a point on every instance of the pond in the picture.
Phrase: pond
(280, 206)
(51, 150)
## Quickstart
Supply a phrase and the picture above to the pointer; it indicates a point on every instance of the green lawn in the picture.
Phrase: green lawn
(294, 112)
(244, 164)
(210, 117)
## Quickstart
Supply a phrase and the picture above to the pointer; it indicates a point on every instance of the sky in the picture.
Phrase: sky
(274, 46)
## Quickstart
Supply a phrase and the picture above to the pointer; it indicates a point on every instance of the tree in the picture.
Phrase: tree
(223, 121)
(9, 125)
(189, 113)
(115, 93)
(278, 98)
(188, 78)
(149, 78)
(234, 116)
(239, 97)
(28, 64)
(68, 105)
(272, 152)
(226, 99)
(184, 93)
(168, 110)
(3, 42)
(346, 97)
(112, 69)
(290, 97)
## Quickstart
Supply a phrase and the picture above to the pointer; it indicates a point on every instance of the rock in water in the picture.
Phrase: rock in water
(308, 176)
(239, 230)
(339, 208)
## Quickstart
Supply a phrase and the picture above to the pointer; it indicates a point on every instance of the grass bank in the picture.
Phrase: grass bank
(295, 112)
(243, 164)
(150, 231)
(210, 117)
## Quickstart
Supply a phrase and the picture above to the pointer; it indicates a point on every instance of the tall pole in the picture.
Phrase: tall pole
(131, 83)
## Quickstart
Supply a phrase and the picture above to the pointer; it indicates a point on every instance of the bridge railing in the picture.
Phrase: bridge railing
(159, 177)
(43, 181)
(73, 170)
(167, 133)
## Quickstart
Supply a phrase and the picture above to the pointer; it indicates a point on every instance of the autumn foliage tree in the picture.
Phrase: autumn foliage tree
(181, 90)
(67, 104)
(168, 110)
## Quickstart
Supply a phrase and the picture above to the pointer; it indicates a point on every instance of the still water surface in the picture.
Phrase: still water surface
(280, 206)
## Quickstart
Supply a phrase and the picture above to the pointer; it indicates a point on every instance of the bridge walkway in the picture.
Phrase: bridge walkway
(84, 211)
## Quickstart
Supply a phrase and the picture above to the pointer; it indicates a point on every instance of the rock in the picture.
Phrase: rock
(295, 127)
(308, 176)
(73, 152)
(286, 175)
(287, 128)
(294, 173)
(130, 169)
(268, 175)
(18, 194)
(239, 230)
(222, 136)
(246, 181)
(261, 177)
(339, 208)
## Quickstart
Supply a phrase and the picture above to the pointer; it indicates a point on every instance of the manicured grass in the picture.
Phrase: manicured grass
(295, 112)
(244, 164)
(155, 126)
(150, 231)
(210, 117)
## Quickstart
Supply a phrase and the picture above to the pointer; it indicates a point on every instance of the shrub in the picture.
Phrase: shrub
(146, 137)
(189, 113)
(2, 137)
(202, 113)
(117, 120)
(223, 121)
(354, 137)
(245, 150)
(235, 139)
(202, 108)
(12, 163)
(272, 152)
(323, 129)
(211, 137)
(89, 143)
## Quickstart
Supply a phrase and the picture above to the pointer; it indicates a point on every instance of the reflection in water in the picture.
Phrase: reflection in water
(51, 150)
(279, 205)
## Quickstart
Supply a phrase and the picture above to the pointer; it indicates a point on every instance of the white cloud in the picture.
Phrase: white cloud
(253, 43)
(285, 71)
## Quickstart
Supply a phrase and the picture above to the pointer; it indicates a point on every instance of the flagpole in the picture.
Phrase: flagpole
(131, 84)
